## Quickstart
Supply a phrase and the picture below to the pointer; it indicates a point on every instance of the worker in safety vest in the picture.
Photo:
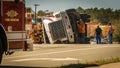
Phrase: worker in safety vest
(81, 27)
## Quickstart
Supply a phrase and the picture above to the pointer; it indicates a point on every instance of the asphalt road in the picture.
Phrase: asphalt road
(55, 55)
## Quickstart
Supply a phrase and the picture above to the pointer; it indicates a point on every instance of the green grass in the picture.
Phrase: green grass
(91, 64)
(106, 61)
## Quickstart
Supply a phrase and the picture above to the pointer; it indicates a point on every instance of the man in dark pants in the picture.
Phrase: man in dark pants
(3, 42)
(98, 32)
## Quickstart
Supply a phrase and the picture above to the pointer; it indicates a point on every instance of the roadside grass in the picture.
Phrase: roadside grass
(106, 61)
(91, 64)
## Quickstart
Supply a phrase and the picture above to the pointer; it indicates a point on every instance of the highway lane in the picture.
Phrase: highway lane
(52, 55)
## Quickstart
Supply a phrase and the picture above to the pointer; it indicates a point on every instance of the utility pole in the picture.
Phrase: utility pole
(36, 12)
(42, 22)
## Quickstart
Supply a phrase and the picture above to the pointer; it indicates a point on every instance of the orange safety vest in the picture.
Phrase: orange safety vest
(81, 28)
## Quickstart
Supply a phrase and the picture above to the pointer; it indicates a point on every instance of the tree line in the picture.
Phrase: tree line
(104, 15)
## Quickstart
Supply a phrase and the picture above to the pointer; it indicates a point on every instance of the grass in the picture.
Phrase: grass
(92, 64)
(106, 61)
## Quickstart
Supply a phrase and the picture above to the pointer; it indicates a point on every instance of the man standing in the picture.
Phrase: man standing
(98, 32)
(110, 33)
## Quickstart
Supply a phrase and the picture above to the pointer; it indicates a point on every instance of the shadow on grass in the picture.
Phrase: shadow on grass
(79, 66)
(18, 67)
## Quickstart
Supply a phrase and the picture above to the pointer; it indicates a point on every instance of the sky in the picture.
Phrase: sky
(61, 5)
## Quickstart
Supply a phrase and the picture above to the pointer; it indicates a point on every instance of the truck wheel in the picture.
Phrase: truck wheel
(1, 51)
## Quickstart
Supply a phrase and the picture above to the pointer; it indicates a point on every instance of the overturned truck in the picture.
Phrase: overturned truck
(66, 27)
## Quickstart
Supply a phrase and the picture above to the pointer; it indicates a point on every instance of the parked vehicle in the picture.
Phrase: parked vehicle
(12, 17)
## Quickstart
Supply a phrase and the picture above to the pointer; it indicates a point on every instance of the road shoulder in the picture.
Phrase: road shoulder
(111, 65)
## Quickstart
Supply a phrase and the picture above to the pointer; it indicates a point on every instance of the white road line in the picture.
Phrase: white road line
(50, 59)
(48, 53)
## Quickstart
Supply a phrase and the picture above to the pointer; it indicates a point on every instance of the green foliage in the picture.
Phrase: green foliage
(102, 14)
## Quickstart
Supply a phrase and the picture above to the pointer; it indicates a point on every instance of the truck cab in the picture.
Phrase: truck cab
(58, 28)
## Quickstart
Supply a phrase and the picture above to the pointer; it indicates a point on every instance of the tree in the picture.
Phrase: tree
(102, 14)
(41, 13)
(80, 10)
